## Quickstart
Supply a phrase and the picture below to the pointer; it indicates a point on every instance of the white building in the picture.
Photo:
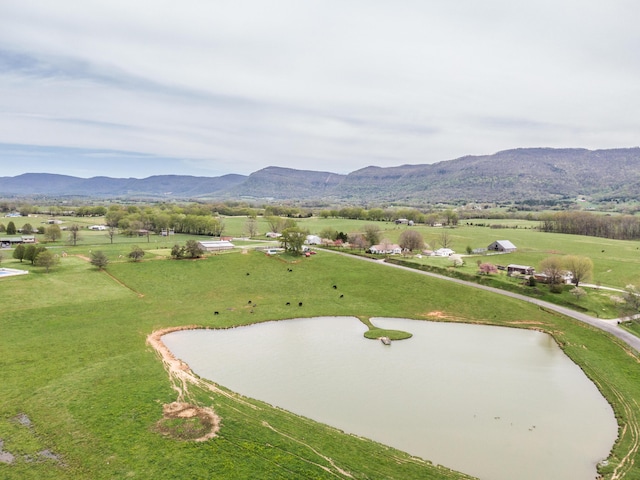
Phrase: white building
(216, 245)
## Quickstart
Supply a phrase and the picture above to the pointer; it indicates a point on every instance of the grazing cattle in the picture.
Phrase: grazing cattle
(249, 302)
(248, 274)
(299, 304)
(335, 287)
(288, 303)
(341, 296)
(216, 313)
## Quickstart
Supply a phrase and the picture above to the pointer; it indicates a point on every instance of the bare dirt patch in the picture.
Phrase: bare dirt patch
(185, 421)
(5, 457)
(438, 315)
(183, 418)
(525, 322)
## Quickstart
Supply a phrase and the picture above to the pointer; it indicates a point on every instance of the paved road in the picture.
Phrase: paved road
(610, 326)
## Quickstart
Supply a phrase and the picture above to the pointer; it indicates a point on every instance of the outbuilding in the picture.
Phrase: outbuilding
(216, 245)
(520, 270)
(504, 246)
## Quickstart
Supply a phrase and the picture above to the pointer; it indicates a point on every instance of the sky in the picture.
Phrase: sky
(209, 87)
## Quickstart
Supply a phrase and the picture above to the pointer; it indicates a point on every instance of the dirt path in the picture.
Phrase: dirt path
(181, 377)
(115, 279)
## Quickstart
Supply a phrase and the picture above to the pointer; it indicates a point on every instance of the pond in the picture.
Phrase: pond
(497, 403)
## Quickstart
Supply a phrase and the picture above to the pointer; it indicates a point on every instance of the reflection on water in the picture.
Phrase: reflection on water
(497, 403)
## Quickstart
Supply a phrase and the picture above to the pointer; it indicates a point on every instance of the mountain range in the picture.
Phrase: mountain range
(536, 174)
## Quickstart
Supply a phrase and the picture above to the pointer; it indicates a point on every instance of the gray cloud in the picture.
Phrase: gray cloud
(220, 87)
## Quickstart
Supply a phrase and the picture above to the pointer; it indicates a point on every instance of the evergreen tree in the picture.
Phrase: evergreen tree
(99, 259)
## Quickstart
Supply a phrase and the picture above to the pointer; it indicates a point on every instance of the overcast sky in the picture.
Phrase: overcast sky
(137, 88)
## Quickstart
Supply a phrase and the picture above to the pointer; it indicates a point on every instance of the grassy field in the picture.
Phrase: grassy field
(616, 262)
(82, 393)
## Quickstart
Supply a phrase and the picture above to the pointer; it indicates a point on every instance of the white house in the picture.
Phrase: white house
(388, 249)
(97, 227)
(313, 240)
(443, 252)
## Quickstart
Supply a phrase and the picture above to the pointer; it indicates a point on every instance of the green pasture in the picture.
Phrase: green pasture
(75, 364)
(616, 262)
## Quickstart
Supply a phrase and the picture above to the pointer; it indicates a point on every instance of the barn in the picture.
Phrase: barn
(503, 246)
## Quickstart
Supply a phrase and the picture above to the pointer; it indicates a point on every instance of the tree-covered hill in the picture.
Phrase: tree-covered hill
(510, 175)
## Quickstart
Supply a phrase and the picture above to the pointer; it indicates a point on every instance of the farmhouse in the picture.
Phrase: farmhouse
(389, 249)
(520, 270)
(313, 240)
(216, 245)
(565, 277)
(504, 246)
(404, 221)
(443, 252)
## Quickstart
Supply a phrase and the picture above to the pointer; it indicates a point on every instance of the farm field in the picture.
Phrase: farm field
(616, 263)
(81, 384)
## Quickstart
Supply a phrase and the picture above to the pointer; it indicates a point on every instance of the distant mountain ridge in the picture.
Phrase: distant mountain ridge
(516, 175)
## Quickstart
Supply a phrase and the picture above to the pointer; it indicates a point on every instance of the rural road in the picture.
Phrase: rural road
(609, 326)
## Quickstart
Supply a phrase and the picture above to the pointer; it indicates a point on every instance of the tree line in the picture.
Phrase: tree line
(619, 227)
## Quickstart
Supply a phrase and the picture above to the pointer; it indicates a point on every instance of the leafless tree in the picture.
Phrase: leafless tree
(445, 239)
(251, 226)
(357, 240)
(111, 231)
(74, 234)
(411, 240)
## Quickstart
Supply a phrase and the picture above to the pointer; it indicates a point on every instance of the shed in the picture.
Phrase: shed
(520, 270)
(8, 242)
(504, 246)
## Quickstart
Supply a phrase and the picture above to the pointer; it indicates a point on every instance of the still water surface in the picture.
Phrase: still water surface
(497, 403)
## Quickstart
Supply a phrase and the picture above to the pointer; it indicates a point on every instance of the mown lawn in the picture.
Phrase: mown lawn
(75, 363)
